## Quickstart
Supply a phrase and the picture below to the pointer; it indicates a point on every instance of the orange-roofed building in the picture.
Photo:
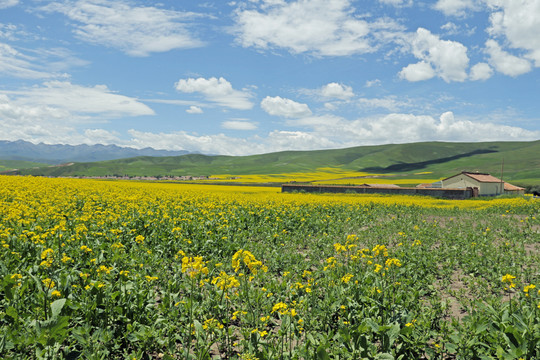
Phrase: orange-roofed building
(487, 184)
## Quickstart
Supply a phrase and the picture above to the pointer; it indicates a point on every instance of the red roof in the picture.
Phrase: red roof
(510, 187)
(480, 177)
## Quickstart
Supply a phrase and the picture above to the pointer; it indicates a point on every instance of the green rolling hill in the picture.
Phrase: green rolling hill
(439, 159)
(11, 165)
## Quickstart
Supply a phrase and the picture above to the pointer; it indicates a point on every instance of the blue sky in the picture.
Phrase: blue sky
(258, 76)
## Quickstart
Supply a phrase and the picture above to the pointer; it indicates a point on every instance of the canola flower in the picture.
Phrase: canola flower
(225, 281)
(508, 279)
(47, 257)
(248, 259)
(194, 266)
(527, 289)
(91, 229)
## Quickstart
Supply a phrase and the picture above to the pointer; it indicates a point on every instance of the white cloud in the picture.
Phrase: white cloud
(54, 112)
(443, 58)
(238, 125)
(284, 107)
(406, 128)
(219, 91)
(390, 103)
(137, 31)
(319, 27)
(277, 140)
(458, 8)
(519, 23)
(417, 72)
(481, 71)
(450, 28)
(505, 62)
(8, 3)
(194, 110)
(396, 2)
(78, 99)
(372, 83)
(13, 63)
(101, 136)
(337, 91)
(206, 144)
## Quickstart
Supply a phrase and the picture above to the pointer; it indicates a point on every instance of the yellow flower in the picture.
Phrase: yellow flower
(86, 249)
(339, 248)
(390, 262)
(104, 269)
(225, 281)
(508, 278)
(49, 284)
(346, 278)
(527, 288)
(139, 239)
(380, 249)
(194, 266)
(47, 257)
(280, 307)
(124, 273)
(56, 293)
(249, 260)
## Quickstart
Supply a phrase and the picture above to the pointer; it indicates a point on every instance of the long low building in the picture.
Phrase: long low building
(487, 184)
(446, 193)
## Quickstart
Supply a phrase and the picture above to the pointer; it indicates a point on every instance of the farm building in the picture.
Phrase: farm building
(486, 184)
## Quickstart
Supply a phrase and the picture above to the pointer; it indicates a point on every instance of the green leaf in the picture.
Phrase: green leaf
(56, 306)
(384, 356)
(321, 353)
(12, 312)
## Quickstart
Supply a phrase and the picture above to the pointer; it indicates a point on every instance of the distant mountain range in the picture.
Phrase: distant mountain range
(21, 150)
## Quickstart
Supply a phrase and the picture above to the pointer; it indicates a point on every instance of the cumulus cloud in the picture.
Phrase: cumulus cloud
(55, 111)
(284, 107)
(518, 22)
(405, 128)
(135, 30)
(219, 91)
(319, 132)
(337, 91)
(318, 27)
(443, 58)
(194, 110)
(458, 8)
(417, 72)
(504, 62)
(481, 71)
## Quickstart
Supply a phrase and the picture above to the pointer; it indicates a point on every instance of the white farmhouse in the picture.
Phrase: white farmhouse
(486, 184)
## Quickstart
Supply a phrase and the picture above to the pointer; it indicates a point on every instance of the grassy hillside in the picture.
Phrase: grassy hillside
(423, 160)
(9, 165)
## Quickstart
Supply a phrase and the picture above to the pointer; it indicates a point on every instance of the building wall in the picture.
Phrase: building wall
(463, 182)
(458, 194)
